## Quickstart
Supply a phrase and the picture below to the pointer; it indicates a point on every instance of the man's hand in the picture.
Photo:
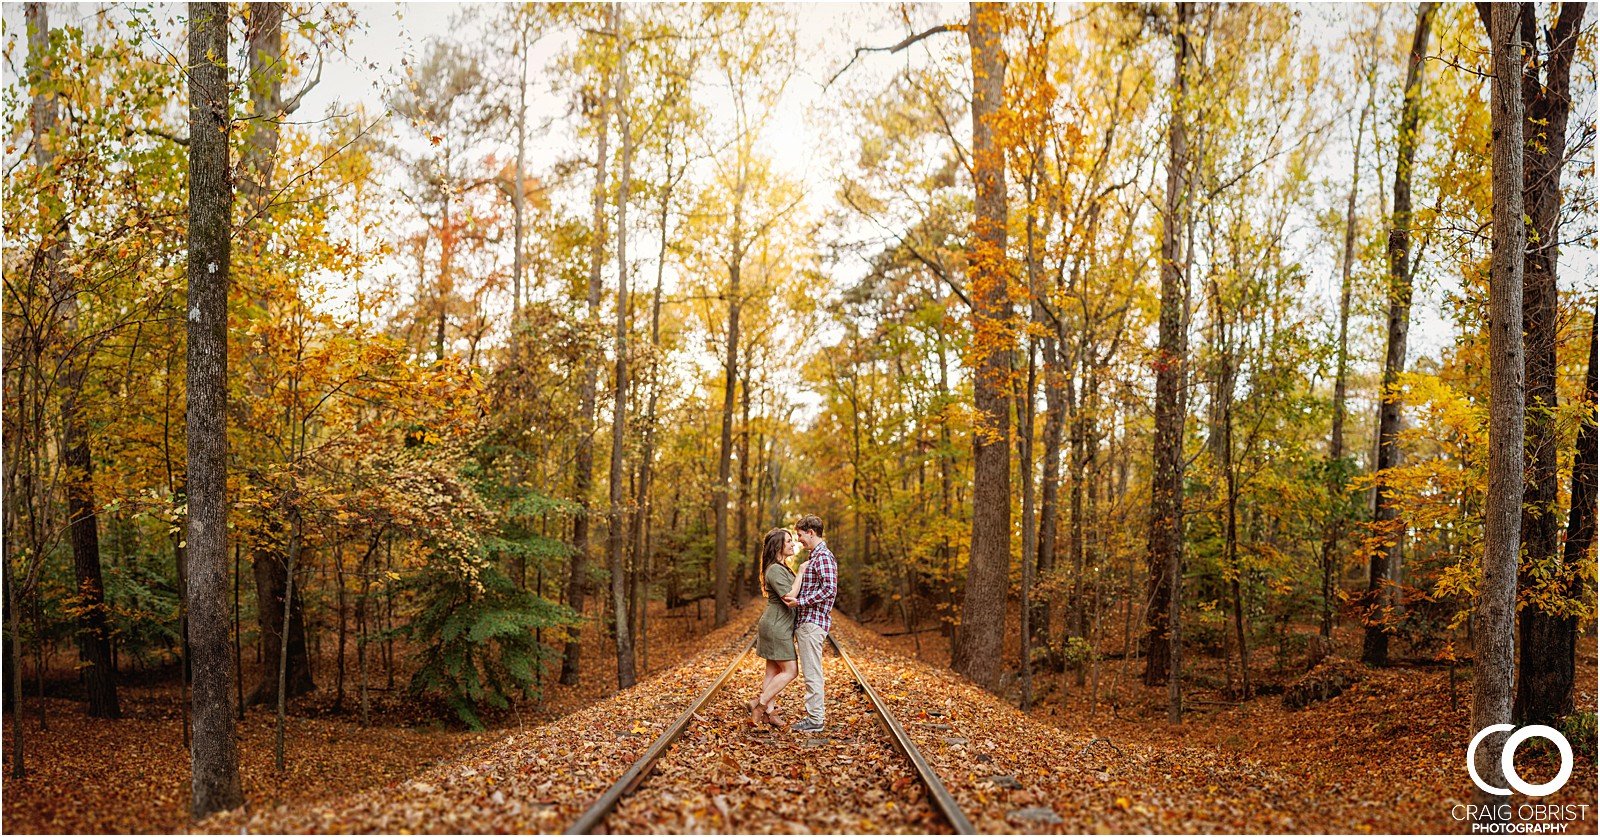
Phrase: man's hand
(791, 601)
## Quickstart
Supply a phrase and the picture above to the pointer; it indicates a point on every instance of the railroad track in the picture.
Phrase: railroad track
(938, 796)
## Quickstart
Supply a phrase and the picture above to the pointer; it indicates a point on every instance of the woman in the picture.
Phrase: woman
(775, 631)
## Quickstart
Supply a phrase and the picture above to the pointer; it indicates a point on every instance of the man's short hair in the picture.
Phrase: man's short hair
(810, 523)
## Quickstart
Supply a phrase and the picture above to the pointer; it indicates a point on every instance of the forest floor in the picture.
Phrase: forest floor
(1385, 756)
(86, 775)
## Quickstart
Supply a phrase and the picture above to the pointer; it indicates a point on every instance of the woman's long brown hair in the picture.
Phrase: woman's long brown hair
(772, 548)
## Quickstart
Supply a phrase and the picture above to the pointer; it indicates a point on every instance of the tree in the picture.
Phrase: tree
(616, 537)
(213, 753)
(1546, 632)
(280, 613)
(1495, 617)
(583, 461)
(1335, 526)
(1389, 534)
(978, 645)
(1166, 484)
(94, 638)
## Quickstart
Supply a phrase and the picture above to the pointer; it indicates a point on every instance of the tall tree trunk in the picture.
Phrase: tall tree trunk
(1375, 642)
(94, 639)
(296, 541)
(1494, 619)
(1029, 512)
(583, 460)
(1166, 489)
(742, 514)
(1335, 527)
(213, 754)
(1545, 665)
(983, 610)
(1077, 614)
(619, 405)
(647, 454)
(730, 379)
(1579, 547)
(1050, 491)
(264, 37)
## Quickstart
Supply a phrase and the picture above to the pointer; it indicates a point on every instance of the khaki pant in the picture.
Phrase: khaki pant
(809, 637)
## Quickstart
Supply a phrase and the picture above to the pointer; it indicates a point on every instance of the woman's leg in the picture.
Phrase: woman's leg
(787, 669)
(757, 705)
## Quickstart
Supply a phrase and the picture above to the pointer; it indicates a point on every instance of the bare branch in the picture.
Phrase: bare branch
(943, 27)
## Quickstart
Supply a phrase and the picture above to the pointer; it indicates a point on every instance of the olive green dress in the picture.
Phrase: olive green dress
(775, 631)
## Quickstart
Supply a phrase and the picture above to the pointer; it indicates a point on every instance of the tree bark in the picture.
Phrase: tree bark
(617, 535)
(214, 756)
(983, 610)
(1166, 490)
(1545, 665)
(1495, 615)
(583, 461)
(1375, 641)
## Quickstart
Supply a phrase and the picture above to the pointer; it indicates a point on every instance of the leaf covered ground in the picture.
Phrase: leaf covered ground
(1383, 757)
(1387, 756)
(537, 780)
(132, 775)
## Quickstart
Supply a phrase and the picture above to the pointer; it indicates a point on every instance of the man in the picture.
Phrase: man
(813, 619)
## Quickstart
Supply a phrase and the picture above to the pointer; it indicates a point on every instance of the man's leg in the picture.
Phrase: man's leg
(808, 638)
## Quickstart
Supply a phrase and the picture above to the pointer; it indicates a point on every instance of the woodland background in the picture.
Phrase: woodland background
(1110, 340)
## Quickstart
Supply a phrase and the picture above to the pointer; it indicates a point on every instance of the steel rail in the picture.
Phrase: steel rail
(937, 793)
(640, 770)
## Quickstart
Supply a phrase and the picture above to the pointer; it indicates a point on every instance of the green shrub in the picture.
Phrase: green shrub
(477, 633)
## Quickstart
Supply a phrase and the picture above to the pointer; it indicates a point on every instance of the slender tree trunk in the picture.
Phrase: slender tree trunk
(214, 756)
(1166, 500)
(1335, 527)
(619, 404)
(730, 379)
(94, 639)
(1025, 473)
(1545, 667)
(742, 512)
(519, 192)
(1375, 643)
(983, 611)
(295, 543)
(583, 461)
(1075, 462)
(1494, 617)
(342, 632)
(1050, 493)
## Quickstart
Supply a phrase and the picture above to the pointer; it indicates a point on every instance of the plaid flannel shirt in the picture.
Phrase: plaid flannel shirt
(818, 587)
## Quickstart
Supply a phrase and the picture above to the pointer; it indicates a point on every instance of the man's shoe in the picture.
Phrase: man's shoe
(807, 726)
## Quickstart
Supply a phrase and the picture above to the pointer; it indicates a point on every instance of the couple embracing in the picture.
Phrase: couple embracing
(796, 621)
